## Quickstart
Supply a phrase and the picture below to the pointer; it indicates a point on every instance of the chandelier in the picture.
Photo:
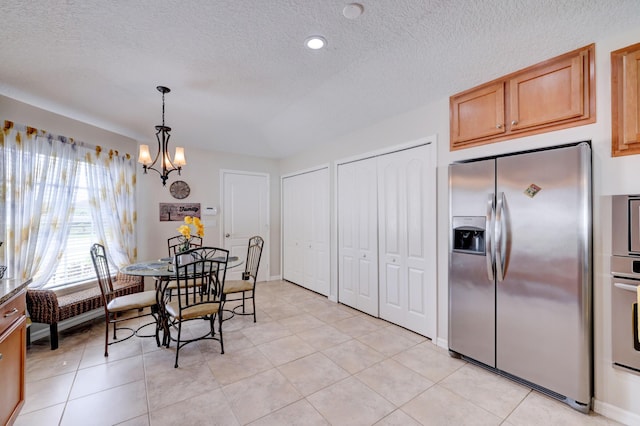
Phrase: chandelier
(162, 135)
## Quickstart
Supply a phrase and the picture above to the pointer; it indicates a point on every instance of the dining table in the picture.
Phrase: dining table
(163, 267)
(163, 270)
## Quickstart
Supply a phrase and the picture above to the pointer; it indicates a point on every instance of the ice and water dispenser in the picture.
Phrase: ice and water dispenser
(469, 234)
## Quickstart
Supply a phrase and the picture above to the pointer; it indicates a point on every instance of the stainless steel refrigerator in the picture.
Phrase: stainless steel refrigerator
(520, 268)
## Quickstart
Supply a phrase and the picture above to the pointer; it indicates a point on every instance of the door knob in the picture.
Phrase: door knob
(227, 235)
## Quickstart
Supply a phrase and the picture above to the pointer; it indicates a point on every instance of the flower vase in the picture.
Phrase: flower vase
(186, 245)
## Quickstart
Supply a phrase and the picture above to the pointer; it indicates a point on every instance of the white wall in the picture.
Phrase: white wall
(202, 173)
(617, 393)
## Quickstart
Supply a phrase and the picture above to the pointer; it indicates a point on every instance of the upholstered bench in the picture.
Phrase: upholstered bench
(46, 307)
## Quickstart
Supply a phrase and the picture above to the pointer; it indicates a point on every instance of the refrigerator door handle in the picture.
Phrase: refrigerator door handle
(488, 239)
(500, 234)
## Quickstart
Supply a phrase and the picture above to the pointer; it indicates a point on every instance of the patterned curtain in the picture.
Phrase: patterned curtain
(38, 172)
(112, 180)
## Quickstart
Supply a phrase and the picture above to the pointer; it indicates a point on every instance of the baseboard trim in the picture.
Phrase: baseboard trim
(443, 343)
(275, 278)
(40, 333)
(615, 413)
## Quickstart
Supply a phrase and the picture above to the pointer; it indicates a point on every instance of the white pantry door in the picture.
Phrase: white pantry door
(357, 235)
(245, 210)
(406, 208)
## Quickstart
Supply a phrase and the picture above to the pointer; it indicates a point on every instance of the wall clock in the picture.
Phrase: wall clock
(179, 189)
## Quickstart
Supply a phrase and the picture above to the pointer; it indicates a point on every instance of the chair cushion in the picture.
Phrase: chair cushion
(194, 311)
(236, 286)
(132, 301)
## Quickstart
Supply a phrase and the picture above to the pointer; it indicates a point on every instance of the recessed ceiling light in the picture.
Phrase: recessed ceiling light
(315, 42)
(353, 10)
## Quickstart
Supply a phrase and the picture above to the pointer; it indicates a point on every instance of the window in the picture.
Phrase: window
(75, 266)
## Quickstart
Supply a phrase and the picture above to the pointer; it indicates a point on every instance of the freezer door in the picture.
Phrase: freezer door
(543, 293)
(471, 283)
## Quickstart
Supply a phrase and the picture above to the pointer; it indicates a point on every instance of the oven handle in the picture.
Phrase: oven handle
(627, 287)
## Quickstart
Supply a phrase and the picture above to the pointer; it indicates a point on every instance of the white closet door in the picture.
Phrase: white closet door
(407, 258)
(305, 228)
(320, 231)
(291, 226)
(357, 235)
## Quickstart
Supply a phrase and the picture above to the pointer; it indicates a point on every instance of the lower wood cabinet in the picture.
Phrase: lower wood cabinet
(13, 336)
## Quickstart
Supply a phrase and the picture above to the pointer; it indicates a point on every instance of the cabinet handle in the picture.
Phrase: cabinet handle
(11, 312)
(364, 256)
(514, 122)
(227, 235)
(498, 126)
(0, 357)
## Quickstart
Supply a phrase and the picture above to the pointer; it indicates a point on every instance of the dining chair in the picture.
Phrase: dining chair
(117, 305)
(200, 278)
(246, 287)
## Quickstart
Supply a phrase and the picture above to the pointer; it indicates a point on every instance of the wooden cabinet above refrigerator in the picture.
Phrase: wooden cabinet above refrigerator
(554, 94)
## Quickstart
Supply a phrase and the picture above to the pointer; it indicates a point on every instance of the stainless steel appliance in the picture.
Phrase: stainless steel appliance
(520, 268)
(625, 271)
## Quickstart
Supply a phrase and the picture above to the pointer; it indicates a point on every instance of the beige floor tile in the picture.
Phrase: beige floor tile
(285, 349)
(323, 337)
(234, 366)
(167, 386)
(47, 392)
(432, 364)
(53, 363)
(394, 381)
(355, 326)
(94, 353)
(312, 373)
(259, 395)
(301, 322)
(398, 418)
(44, 417)
(300, 413)
(137, 421)
(495, 394)
(106, 376)
(108, 407)
(353, 356)
(350, 402)
(325, 375)
(439, 406)
(206, 408)
(266, 332)
(386, 341)
(538, 409)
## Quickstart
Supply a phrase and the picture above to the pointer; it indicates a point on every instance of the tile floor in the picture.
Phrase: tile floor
(307, 361)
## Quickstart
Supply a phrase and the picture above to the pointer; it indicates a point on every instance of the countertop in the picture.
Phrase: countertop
(11, 287)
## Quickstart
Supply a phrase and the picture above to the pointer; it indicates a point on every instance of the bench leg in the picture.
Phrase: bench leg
(53, 331)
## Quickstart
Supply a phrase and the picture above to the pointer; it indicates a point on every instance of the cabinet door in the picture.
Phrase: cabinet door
(12, 365)
(625, 102)
(477, 114)
(357, 235)
(406, 200)
(549, 94)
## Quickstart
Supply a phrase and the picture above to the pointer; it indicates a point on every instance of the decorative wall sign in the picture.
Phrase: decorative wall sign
(175, 212)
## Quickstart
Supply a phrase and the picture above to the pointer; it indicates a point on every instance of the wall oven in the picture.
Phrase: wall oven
(625, 271)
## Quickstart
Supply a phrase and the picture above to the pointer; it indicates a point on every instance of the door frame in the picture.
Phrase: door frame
(265, 259)
(427, 140)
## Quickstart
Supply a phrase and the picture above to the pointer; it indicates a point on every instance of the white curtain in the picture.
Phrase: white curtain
(38, 173)
(111, 182)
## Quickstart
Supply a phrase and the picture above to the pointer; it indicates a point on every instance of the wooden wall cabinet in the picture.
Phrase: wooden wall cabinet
(552, 95)
(13, 349)
(625, 101)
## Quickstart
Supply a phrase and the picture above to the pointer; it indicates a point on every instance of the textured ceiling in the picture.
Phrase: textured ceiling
(241, 79)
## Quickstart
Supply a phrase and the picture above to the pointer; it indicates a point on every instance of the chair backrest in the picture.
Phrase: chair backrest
(254, 253)
(175, 243)
(101, 266)
(196, 266)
